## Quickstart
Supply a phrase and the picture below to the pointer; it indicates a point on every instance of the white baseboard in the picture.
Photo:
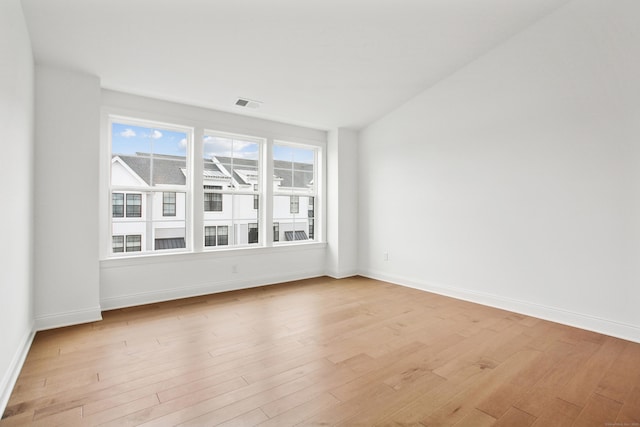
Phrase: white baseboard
(111, 303)
(10, 377)
(342, 274)
(553, 314)
(60, 320)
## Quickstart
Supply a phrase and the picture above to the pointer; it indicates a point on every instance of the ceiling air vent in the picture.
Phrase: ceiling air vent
(248, 103)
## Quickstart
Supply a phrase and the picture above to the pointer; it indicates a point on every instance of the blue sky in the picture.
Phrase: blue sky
(129, 139)
(292, 154)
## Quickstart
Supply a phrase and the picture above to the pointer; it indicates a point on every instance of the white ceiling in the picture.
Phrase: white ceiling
(320, 63)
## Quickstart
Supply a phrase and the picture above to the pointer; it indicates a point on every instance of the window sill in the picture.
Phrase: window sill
(158, 258)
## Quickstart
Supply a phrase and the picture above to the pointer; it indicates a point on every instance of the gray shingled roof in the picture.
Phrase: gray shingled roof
(168, 169)
(300, 177)
(300, 235)
(171, 243)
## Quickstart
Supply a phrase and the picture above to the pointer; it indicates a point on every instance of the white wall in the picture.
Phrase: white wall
(342, 183)
(66, 197)
(16, 193)
(515, 181)
(132, 281)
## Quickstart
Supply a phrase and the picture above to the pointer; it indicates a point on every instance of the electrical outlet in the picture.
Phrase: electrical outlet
(234, 268)
(385, 256)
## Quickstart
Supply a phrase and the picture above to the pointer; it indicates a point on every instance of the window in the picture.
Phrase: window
(311, 216)
(118, 243)
(253, 233)
(210, 236)
(149, 184)
(294, 204)
(134, 243)
(223, 235)
(134, 205)
(117, 203)
(152, 189)
(212, 201)
(216, 235)
(295, 191)
(256, 198)
(231, 165)
(168, 204)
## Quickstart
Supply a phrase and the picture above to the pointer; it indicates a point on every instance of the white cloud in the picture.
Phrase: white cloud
(215, 146)
(183, 143)
(156, 134)
(128, 133)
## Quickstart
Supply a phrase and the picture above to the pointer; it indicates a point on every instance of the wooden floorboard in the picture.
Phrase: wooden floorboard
(324, 351)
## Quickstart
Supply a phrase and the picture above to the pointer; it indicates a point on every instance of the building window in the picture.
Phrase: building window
(256, 198)
(168, 204)
(223, 235)
(253, 233)
(134, 205)
(210, 236)
(294, 204)
(117, 244)
(276, 232)
(212, 201)
(311, 215)
(134, 243)
(117, 203)
(216, 235)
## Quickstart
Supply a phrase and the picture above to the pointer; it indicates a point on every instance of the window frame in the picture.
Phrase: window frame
(317, 192)
(173, 203)
(126, 243)
(127, 210)
(255, 190)
(196, 129)
(122, 205)
(146, 192)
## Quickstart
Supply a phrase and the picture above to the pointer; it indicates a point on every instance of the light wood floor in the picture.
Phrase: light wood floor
(326, 352)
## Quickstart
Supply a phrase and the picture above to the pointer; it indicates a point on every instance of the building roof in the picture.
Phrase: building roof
(170, 243)
(170, 170)
(299, 235)
(165, 169)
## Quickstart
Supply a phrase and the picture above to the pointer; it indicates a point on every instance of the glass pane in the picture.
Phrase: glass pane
(231, 162)
(294, 168)
(147, 156)
(118, 243)
(117, 203)
(168, 220)
(155, 229)
(223, 235)
(236, 213)
(292, 226)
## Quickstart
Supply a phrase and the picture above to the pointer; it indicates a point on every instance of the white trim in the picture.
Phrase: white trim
(10, 377)
(209, 254)
(579, 320)
(69, 318)
(150, 297)
(342, 274)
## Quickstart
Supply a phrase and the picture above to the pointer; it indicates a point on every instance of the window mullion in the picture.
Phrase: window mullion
(197, 187)
(266, 202)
